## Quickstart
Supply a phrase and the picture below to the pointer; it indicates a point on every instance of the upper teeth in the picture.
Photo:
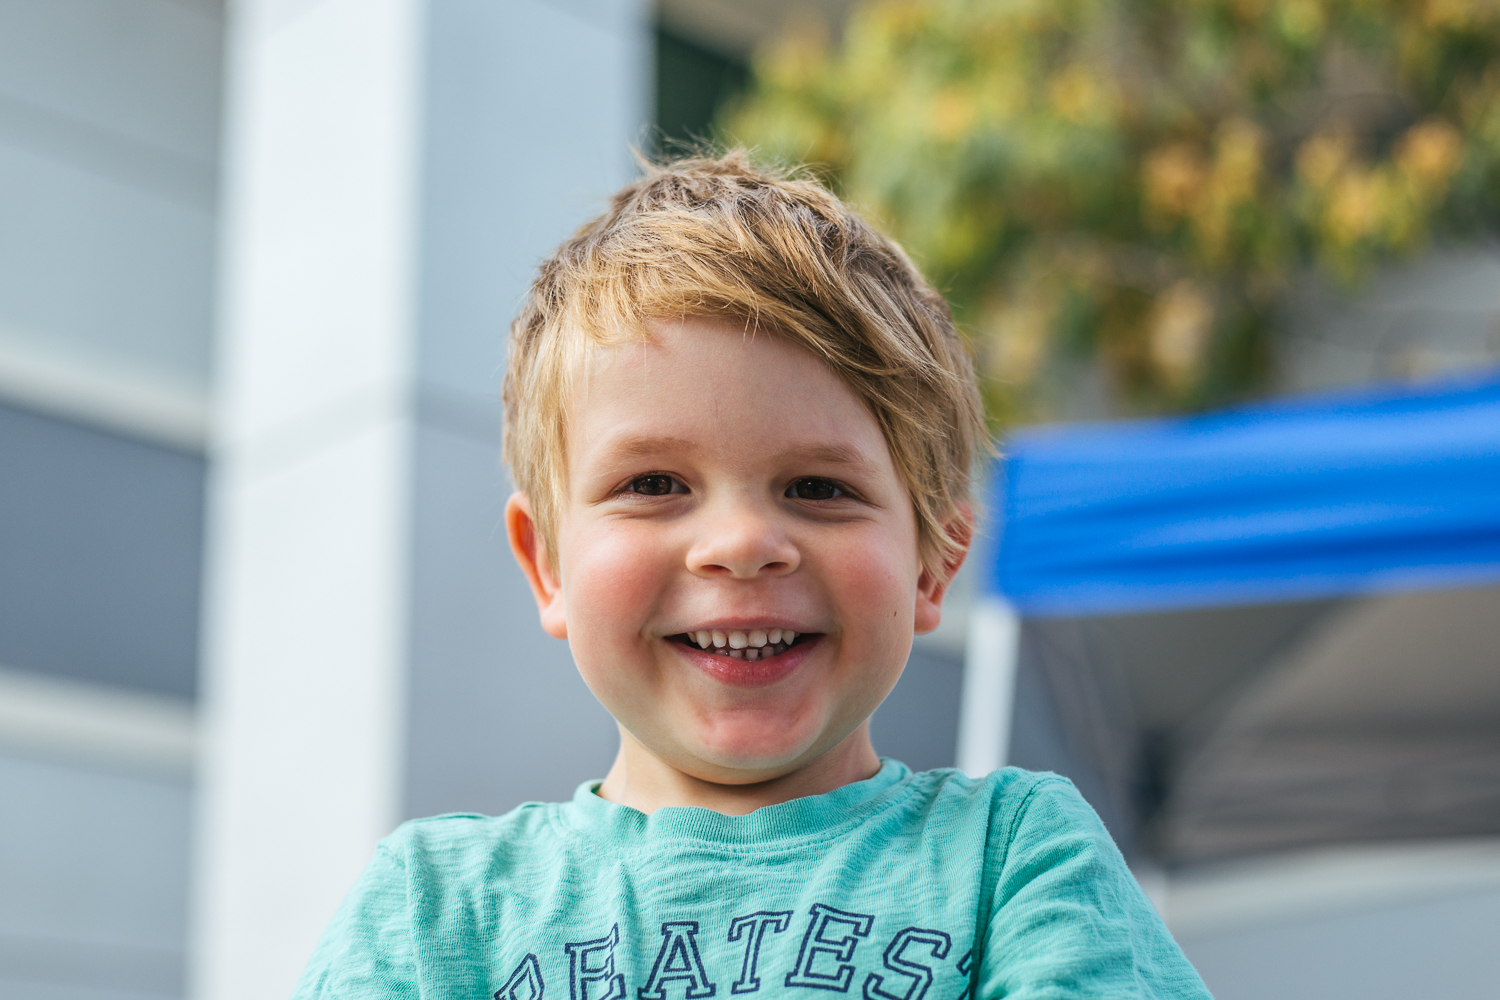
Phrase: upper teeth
(736, 639)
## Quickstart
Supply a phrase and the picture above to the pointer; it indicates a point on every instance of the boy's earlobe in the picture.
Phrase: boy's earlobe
(932, 587)
(527, 546)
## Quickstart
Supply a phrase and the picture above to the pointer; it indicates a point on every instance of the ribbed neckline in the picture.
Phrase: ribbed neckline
(799, 818)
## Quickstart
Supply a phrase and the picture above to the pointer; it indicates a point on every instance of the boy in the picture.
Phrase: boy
(740, 426)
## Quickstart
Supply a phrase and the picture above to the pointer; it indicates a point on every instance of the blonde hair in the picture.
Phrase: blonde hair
(717, 237)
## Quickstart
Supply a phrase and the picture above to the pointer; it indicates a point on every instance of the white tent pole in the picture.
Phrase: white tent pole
(989, 687)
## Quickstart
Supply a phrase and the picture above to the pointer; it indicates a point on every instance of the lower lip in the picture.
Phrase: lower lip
(749, 673)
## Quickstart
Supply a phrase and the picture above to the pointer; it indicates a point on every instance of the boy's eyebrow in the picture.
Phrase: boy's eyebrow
(649, 445)
(653, 444)
(831, 453)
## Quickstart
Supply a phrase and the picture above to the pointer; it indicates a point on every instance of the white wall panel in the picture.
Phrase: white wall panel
(302, 701)
(317, 276)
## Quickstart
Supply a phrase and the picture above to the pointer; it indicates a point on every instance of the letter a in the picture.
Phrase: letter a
(678, 959)
(525, 983)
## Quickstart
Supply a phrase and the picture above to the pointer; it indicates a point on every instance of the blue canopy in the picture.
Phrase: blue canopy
(1392, 488)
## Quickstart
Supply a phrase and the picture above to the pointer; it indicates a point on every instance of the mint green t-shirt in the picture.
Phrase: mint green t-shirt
(902, 887)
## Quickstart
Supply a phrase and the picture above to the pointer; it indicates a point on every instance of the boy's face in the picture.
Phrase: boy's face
(724, 486)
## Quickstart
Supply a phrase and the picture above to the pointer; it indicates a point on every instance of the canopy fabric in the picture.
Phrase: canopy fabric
(1384, 489)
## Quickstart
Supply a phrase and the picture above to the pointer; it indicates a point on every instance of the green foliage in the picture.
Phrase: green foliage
(1132, 185)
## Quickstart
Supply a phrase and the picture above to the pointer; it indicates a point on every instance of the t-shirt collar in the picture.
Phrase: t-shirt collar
(811, 815)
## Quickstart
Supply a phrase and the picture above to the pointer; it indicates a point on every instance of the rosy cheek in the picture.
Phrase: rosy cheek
(614, 576)
(612, 581)
(868, 574)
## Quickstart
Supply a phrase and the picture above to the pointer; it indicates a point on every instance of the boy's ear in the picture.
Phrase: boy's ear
(526, 544)
(933, 586)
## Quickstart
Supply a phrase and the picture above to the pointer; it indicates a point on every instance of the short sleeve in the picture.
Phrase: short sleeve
(366, 951)
(1069, 920)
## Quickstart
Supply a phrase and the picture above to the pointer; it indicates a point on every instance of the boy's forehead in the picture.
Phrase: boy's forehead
(694, 352)
(705, 383)
(666, 341)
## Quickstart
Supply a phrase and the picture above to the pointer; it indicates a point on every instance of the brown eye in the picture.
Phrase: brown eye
(813, 489)
(652, 486)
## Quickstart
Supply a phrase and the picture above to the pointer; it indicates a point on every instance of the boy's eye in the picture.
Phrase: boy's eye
(813, 489)
(655, 486)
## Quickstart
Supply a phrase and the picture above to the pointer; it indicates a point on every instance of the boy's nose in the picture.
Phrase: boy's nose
(743, 546)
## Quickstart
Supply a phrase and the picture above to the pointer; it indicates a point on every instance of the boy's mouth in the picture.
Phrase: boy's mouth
(752, 645)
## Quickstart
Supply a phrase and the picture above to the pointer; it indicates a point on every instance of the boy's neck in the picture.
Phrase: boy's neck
(645, 782)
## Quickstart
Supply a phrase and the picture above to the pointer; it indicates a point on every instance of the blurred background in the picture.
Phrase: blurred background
(1230, 273)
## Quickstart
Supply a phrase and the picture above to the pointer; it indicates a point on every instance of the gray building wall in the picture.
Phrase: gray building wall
(109, 114)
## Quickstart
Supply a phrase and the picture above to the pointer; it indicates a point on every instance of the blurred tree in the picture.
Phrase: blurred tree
(1130, 186)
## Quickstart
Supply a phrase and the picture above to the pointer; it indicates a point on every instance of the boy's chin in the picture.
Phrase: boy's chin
(752, 757)
(744, 769)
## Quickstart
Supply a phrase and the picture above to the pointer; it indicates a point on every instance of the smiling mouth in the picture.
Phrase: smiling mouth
(756, 644)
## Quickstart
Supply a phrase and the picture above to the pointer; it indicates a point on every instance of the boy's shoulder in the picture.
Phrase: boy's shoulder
(460, 837)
